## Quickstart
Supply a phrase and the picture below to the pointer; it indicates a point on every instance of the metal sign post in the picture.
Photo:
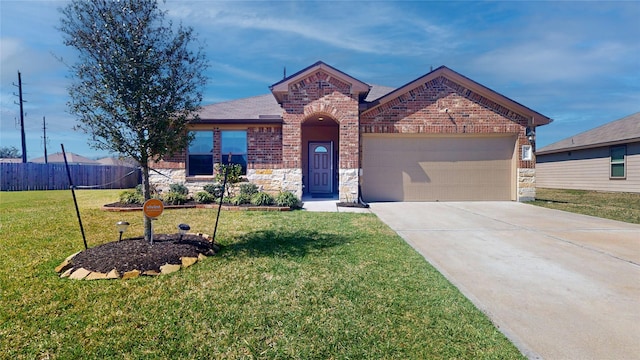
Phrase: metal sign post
(152, 208)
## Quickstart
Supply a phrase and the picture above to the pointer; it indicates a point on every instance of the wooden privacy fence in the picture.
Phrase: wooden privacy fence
(34, 176)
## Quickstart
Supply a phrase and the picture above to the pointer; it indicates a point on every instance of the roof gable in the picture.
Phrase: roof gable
(468, 88)
(618, 131)
(356, 86)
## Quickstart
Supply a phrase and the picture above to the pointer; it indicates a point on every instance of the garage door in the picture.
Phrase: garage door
(433, 168)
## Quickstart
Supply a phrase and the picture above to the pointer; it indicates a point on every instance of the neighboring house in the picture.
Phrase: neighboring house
(72, 159)
(321, 132)
(606, 158)
(114, 161)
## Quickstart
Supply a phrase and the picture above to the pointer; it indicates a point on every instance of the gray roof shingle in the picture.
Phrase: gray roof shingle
(622, 130)
(261, 108)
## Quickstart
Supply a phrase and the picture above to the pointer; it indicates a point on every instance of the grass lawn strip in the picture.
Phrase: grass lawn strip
(609, 205)
(286, 285)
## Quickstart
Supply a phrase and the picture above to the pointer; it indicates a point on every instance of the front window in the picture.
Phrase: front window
(234, 142)
(200, 154)
(618, 154)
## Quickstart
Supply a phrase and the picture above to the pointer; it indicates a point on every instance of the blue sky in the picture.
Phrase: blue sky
(575, 62)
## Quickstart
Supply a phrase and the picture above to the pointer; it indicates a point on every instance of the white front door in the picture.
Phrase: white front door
(320, 167)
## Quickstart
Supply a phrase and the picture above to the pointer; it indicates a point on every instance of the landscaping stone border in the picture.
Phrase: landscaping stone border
(84, 274)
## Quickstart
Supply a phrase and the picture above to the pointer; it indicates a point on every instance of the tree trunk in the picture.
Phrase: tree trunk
(146, 191)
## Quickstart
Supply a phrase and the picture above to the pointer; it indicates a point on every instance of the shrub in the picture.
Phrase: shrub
(214, 189)
(287, 198)
(131, 197)
(241, 199)
(179, 188)
(152, 188)
(248, 189)
(203, 197)
(174, 198)
(262, 199)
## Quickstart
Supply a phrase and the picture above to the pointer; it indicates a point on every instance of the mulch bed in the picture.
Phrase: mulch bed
(138, 254)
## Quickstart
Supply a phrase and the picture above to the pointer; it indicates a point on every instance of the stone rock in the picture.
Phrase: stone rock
(67, 273)
(96, 276)
(59, 268)
(188, 261)
(79, 274)
(169, 268)
(131, 274)
(113, 274)
(71, 256)
(151, 273)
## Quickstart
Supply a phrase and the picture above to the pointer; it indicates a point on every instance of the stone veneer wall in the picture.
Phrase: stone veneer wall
(275, 180)
(272, 181)
(348, 183)
(526, 184)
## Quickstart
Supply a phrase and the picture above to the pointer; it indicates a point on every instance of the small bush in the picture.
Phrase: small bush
(248, 189)
(287, 198)
(152, 188)
(262, 199)
(241, 199)
(174, 198)
(179, 188)
(214, 189)
(131, 197)
(203, 197)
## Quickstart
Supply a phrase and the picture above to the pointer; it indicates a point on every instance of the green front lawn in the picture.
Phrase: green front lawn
(610, 205)
(286, 285)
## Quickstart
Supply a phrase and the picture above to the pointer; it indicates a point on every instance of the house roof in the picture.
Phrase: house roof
(256, 109)
(443, 71)
(72, 158)
(259, 109)
(619, 131)
(282, 87)
(266, 109)
(114, 161)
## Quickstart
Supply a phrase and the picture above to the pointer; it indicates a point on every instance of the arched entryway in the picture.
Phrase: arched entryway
(320, 149)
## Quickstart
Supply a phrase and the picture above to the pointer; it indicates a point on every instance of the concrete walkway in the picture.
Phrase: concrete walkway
(559, 285)
(328, 205)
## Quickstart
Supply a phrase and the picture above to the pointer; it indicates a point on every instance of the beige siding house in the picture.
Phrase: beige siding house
(606, 158)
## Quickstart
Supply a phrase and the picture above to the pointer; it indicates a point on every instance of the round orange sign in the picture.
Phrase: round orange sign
(153, 208)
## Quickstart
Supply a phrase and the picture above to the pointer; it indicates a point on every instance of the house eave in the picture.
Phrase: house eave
(268, 121)
(589, 146)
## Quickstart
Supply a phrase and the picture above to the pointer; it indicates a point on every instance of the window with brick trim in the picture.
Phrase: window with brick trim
(234, 142)
(200, 154)
(618, 157)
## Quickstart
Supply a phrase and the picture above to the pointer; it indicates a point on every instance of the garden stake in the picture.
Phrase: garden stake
(73, 193)
(224, 188)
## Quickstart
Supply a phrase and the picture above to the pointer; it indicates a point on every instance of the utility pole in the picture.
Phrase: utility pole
(44, 129)
(24, 142)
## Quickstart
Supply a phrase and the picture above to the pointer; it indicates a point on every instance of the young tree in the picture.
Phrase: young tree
(137, 83)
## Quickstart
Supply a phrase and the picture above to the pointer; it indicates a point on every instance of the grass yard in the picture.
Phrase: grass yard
(609, 205)
(287, 285)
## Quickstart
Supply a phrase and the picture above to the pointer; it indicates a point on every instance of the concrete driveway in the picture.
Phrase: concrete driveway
(559, 285)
